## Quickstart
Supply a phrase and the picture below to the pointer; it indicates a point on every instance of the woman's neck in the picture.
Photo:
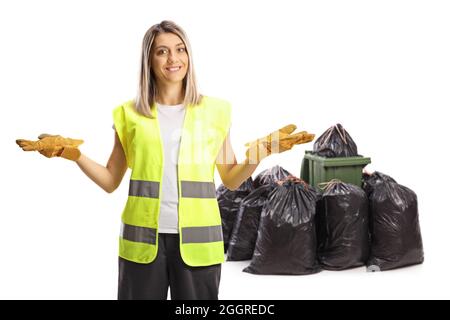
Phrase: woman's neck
(170, 94)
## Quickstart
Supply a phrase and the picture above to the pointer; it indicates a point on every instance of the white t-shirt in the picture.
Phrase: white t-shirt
(171, 119)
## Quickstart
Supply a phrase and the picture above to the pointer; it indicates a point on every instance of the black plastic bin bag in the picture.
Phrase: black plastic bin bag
(229, 202)
(396, 240)
(335, 143)
(286, 242)
(271, 175)
(342, 226)
(245, 230)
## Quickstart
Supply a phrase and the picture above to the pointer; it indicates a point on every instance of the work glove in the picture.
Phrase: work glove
(53, 146)
(276, 142)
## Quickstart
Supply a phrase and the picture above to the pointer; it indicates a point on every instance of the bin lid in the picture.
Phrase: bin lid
(338, 162)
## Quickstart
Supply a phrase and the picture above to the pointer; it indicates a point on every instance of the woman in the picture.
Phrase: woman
(172, 138)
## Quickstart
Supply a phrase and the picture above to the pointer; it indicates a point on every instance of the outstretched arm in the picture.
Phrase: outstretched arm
(109, 177)
(232, 173)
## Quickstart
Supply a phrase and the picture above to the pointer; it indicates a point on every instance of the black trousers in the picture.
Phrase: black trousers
(151, 281)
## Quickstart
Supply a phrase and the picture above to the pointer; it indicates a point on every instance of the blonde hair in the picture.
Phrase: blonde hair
(147, 82)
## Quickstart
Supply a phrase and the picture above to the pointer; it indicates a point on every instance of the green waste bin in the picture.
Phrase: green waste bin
(316, 169)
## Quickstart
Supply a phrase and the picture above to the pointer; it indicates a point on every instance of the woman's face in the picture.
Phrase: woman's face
(170, 60)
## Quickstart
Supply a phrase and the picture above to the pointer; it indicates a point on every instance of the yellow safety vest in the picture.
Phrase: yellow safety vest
(204, 131)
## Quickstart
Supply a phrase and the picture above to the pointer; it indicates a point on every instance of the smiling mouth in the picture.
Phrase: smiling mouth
(173, 69)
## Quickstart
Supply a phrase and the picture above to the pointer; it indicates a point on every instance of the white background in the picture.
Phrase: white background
(381, 68)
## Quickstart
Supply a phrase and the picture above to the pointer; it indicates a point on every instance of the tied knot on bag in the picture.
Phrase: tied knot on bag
(330, 184)
(293, 180)
(329, 131)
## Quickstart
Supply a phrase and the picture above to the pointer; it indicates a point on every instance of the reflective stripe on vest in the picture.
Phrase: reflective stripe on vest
(195, 189)
(189, 189)
(189, 234)
(142, 188)
(201, 234)
(138, 234)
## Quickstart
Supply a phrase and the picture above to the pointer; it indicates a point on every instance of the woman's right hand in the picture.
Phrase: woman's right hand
(53, 146)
